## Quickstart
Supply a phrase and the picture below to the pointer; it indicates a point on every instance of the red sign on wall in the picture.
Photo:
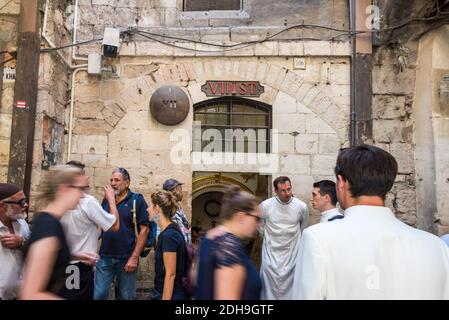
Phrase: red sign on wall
(214, 88)
(21, 104)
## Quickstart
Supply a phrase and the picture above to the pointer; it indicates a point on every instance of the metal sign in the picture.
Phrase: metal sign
(213, 88)
(9, 69)
(169, 105)
(444, 87)
(9, 74)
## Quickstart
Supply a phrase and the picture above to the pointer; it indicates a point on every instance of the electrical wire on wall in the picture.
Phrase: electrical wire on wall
(167, 39)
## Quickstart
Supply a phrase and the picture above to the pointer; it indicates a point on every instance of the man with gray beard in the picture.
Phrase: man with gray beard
(14, 231)
(120, 250)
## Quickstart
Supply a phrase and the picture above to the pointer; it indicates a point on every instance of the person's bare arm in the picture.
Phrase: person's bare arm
(170, 274)
(40, 261)
(133, 261)
(110, 197)
(229, 282)
(88, 258)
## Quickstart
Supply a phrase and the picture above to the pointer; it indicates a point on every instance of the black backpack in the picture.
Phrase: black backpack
(189, 278)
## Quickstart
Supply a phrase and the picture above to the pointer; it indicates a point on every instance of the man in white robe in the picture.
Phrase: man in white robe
(370, 254)
(324, 199)
(284, 217)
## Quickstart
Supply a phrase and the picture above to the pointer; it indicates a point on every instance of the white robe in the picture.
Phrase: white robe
(370, 254)
(281, 236)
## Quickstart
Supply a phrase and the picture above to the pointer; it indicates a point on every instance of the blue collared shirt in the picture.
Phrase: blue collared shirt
(120, 245)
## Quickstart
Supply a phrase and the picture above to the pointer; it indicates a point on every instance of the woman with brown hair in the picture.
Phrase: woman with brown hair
(225, 271)
(170, 255)
(47, 254)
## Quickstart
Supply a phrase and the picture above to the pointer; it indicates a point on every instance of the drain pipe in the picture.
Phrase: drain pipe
(72, 103)
(75, 29)
(46, 37)
(73, 67)
(50, 43)
(353, 115)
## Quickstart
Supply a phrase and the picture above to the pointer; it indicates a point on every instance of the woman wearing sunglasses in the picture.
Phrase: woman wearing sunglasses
(47, 255)
(225, 271)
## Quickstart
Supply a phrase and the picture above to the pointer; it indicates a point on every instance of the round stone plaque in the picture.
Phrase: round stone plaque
(169, 105)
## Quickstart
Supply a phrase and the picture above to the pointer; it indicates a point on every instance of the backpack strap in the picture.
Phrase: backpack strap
(134, 213)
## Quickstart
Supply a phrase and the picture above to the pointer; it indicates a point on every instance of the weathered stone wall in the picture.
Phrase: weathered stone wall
(393, 92)
(98, 14)
(52, 99)
(9, 19)
(431, 120)
(396, 119)
(113, 126)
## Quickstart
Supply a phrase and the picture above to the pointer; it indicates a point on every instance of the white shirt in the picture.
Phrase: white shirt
(11, 261)
(283, 223)
(329, 214)
(82, 226)
(370, 254)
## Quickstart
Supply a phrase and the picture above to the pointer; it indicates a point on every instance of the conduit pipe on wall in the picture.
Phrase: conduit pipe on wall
(50, 43)
(72, 103)
(352, 112)
(74, 33)
(73, 67)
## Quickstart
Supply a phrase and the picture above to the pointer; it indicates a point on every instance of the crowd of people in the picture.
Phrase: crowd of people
(80, 249)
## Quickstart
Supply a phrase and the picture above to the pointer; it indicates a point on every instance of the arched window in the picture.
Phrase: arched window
(241, 125)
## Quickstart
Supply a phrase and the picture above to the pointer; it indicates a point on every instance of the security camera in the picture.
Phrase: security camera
(111, 42)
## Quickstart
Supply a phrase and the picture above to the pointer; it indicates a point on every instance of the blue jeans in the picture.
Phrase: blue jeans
(106, 270)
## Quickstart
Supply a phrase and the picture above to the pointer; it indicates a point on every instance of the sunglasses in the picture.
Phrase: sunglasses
(258, 218)
(81, 188)
(22, 202)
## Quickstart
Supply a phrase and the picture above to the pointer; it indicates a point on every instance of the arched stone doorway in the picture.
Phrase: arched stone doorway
(206, 197)
(207, 194)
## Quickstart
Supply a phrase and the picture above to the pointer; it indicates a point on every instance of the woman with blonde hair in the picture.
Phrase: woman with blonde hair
(47, 254)
(225, 271)
(170, 255)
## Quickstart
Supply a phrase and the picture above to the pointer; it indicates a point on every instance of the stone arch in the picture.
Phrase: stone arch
(276, 79)
(137, 92)
(282, 88)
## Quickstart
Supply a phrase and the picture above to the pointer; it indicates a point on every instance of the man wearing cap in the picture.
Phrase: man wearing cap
(179, 217)
(14, 231)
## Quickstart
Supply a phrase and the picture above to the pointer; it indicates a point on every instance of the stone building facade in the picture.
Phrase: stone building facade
(310, 106)
(305, 72)
(9, 19)
(410, 109)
